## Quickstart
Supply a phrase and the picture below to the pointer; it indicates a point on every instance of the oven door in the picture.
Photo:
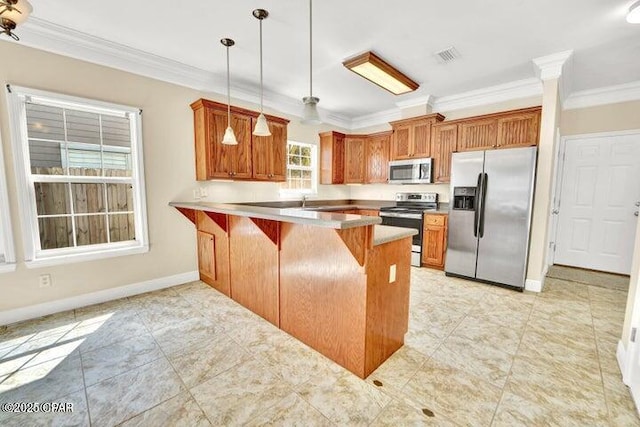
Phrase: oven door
(415, 223)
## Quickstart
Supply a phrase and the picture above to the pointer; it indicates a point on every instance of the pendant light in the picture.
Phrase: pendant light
(261, 128)
(310, 114)
(229, 137)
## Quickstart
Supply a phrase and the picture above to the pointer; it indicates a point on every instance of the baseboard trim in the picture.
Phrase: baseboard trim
(621, 355)
(533, 285)
(34, 311)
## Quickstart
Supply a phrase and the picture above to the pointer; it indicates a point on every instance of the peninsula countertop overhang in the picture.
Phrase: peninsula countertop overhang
(294, 215)
(339, 221)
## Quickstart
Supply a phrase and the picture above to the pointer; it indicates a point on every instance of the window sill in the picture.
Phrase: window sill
(7, 267)
(86, 256)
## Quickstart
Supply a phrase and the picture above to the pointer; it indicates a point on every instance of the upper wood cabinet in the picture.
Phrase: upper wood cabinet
(519, 129)
(354, 159)
(510, 129)
(444, 139)
(377, 157)
(478, 134)
(412, 137)
(216, 160)
(332, 158)
(270, 153)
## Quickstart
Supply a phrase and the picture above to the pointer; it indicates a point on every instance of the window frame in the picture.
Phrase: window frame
(7, 249)
(34, 256)
(292, 192)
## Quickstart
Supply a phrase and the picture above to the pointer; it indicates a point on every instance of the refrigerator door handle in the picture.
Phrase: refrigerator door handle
(483, 196)
(476, 207)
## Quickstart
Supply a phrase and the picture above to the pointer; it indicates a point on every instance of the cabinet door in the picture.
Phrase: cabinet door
(444, 141)
(221, 155)
(519, 130)
(241, 158)
(478, 134)
(261, 154)
(354, 160)
(434, 238)
(331, 158)
(278, 152)
(269, 153)
(377, 159)
(421, 138)
(401, 142)
(206, 257)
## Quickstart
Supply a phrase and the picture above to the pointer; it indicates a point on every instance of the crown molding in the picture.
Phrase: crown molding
(375, 119)
(491, 95)
(603, 96)
(44, 35)
(551, 66)
(415, 102)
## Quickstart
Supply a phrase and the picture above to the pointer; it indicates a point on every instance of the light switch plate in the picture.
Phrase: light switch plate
(392, 273)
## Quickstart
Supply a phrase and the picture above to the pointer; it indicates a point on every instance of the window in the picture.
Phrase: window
(81, 177)
(7, 257)
(301, 169)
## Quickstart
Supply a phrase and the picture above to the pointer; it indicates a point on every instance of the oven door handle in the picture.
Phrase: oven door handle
(399, 215)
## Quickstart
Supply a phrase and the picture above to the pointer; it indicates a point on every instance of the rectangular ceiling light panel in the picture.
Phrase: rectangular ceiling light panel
(376, 70)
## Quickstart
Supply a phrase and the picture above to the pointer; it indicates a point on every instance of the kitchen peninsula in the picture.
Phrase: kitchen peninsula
(337, 282)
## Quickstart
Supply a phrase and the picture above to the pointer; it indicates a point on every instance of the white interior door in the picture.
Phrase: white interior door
(599, 201)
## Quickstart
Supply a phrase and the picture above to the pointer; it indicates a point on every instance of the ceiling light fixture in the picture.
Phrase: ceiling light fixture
(13, 13)
(376, 70)
(310, 114)
(229, 137)
(633, 17)
(262, 127)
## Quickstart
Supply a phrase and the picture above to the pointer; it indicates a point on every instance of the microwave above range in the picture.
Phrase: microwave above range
(414, 171)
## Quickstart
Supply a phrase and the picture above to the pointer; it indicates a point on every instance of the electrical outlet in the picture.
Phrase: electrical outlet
(203, 192)
(45, 281)
(196, 194)
(392, 273)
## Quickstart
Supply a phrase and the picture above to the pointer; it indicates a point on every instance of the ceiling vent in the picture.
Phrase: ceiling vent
(447, 55)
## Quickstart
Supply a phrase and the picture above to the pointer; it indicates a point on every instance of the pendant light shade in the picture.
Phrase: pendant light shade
(262, 127)
(310, 114)
(229, 137)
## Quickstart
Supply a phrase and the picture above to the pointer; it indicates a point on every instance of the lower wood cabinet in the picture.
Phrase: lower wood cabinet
(369, 212)
(434, 240)
(213, 250)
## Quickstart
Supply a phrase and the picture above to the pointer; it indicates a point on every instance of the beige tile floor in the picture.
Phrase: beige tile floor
(187, 356)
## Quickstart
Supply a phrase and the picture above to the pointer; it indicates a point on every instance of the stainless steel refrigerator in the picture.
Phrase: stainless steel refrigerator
(490, 215)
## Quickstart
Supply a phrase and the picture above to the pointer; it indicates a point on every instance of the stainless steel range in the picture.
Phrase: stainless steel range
(409, 213)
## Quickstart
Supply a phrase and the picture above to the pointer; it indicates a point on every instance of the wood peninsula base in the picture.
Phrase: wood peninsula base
(333, 289)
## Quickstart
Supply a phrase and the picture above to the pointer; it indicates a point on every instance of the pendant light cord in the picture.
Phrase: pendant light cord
(228, 92)
(261, 84)
(310, 48)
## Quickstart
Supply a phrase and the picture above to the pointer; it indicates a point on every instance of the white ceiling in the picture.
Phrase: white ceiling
(497, 39)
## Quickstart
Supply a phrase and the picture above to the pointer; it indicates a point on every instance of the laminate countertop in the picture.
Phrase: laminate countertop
(294, 215)
(386, 233)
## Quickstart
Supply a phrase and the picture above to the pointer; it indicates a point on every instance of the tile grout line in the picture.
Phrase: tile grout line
(84, 382)
(506, 383)
(595, 335)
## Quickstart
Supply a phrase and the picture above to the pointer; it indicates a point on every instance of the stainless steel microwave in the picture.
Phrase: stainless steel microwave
(414, 171)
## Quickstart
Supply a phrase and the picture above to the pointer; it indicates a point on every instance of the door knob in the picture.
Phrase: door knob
(555, 211)
(636, 213)
(638, 204)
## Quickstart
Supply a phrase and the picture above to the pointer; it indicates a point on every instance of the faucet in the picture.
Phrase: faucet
(304, 200)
